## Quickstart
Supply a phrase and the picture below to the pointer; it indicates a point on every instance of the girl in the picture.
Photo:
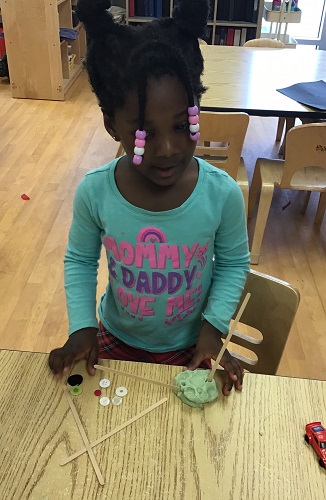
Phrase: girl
(160, 213)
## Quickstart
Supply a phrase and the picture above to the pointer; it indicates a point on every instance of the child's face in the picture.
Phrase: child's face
(168, 149)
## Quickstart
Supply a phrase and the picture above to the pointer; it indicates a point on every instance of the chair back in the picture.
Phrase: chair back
(305, 158)
(265, 43)
(221, 139)
(270, 310)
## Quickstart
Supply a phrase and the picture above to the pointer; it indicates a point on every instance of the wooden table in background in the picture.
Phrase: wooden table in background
(245, 79)
(248, 446)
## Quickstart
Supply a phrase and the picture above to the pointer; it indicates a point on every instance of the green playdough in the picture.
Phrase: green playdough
(194, 390)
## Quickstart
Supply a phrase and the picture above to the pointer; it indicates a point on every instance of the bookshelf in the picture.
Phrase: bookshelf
(40, 65)
(231, 22)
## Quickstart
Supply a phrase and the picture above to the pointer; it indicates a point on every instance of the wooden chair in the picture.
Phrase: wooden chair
(270, 313)
(265, 43)
(288, 122)
(304, 168)
(221, 141)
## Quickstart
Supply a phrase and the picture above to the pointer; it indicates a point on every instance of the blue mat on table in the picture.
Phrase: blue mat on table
(311, 94)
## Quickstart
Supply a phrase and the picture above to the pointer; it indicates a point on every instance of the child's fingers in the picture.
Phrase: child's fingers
(197, 359)
(228, 384)
(60, 362)
(92, 360)
(234, 376)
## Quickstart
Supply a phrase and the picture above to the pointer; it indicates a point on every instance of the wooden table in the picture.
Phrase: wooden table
(246, 79)
(248, 446)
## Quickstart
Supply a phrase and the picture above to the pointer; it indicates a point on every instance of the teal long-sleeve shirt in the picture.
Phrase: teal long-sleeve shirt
(162, 281)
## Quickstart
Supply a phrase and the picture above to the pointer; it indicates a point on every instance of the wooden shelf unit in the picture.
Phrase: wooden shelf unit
(38, 61)
(214, 24)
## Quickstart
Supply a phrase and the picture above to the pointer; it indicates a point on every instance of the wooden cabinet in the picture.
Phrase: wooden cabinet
(40, 66)
(231, 22)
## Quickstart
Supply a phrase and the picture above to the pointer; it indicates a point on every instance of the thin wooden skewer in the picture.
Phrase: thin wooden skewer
(137, 377)
(227, 340)
(114, 431)
(84, 437)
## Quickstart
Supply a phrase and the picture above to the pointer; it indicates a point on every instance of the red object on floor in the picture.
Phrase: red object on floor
(25, 197)
(97, 392)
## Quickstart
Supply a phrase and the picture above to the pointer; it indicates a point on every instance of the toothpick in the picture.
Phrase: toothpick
(84, 437)
(137, 377)
(114, 431)
(227, 340)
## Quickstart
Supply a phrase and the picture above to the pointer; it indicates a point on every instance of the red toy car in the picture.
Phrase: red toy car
(316, 436)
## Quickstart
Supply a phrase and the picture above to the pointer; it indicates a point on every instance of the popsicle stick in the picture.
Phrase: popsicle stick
(114, 431)
(84, 437)
(228, 338)
(137, 377)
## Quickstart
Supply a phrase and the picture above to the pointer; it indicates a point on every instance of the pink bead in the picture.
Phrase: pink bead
(193, 120)
(140, 134)
(195, 137)
(137, 159)
(140, 143)
(193, 110)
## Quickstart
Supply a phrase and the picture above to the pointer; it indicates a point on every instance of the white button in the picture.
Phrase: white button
(105, 382)
(116, 401)
(121, 391)
(104, 401)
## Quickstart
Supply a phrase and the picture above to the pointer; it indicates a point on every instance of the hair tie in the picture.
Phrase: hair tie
(139, 148)
(193, 123)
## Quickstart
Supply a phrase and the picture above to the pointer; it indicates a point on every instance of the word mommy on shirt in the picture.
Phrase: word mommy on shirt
(151, 273)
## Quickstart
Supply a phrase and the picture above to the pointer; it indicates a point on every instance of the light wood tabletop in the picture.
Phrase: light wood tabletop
(246, 79)
(247, 446)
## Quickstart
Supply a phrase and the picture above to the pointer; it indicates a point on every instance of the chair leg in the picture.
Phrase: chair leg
(280, 127)
(254, 190)
(245, 192)
(289, 123)
(321, 208)
(305, 203)
(262, 216)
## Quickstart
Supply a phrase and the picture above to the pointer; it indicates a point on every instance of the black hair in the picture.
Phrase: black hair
(121, 57)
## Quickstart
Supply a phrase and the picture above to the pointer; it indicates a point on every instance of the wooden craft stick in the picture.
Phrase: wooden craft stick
(84, 437)
(228, 338)
(137, 377)
(114, 431)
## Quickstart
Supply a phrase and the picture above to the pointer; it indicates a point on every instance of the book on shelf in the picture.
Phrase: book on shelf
(139, 8)
(251, 34)
(132, 8)
(252, 7)
(237, 36)
(223, 10)
(158, 8)
(166, 8)
(217, 36)
(243, 37)
(230, 36)
(223, 34)
(239, 11)
(151, 8)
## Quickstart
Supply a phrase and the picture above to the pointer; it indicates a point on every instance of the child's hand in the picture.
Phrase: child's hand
(208, 346)
(81, 344)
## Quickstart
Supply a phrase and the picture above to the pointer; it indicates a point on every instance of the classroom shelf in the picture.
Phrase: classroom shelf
(38, 61)
(250, 29)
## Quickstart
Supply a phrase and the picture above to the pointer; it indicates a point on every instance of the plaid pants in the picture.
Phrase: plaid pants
(112, 348)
